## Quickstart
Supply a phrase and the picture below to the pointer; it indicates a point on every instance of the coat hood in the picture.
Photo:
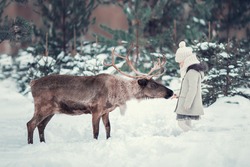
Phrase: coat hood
(201, 67)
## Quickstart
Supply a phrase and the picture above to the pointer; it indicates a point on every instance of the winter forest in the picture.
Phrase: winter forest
(75, 37)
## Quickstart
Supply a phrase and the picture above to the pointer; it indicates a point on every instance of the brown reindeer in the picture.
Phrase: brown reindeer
(97, 95)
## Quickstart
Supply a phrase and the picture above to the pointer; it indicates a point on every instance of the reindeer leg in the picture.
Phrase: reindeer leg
(41, 126)
(105, 120)
(31, 125)
(95, 124)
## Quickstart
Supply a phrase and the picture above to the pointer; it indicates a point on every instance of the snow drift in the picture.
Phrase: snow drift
(146, 136)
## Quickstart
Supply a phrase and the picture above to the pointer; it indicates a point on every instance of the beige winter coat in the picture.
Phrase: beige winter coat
(190, 94)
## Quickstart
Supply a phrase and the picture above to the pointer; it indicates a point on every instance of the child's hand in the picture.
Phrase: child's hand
(175, 96)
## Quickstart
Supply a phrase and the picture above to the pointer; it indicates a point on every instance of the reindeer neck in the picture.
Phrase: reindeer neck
(134, 89)
(129, 89)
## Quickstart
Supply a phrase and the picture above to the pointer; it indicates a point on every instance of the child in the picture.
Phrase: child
(189, 106)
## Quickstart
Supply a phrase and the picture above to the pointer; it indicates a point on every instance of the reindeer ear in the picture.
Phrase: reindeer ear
(142, 82)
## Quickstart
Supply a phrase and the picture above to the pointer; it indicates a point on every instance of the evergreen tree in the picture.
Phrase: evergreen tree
(3, 22)
(149, 30)
(228, 14)
(15, 30)
(228, 69)
(20, 30)
(64, 21)
(149, 22)
(198, 24)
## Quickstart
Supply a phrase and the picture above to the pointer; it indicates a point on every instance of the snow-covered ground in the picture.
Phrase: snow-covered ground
(146, 136)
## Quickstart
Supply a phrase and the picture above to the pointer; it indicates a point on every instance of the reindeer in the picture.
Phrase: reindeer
(97, 95)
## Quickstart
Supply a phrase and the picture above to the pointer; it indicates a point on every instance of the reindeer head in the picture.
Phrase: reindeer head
(152, 89)
(149, 88)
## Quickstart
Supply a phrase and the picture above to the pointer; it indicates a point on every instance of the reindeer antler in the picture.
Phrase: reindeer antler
(157, 66)
(113, 65)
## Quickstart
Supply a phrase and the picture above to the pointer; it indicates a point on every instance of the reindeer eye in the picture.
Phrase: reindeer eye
(153, 85)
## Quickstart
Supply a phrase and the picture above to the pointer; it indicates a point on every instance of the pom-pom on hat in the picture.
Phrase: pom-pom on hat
(183, 52)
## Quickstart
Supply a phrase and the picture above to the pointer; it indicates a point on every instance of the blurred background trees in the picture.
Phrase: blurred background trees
(63, 21)
(76, 36)
(15, 29)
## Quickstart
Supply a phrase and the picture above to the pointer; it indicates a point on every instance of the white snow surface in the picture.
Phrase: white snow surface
(147, 135)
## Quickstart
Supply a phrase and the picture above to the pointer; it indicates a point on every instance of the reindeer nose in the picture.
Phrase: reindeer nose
(169, 94)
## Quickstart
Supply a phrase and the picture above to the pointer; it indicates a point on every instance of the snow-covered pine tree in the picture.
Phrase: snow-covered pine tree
(64, 22)
(30, 66)
(14, 30)
(228, 69)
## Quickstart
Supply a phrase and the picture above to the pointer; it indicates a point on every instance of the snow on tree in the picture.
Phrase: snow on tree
(228, 69)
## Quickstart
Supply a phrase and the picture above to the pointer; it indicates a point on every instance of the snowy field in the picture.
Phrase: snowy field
(146, 136)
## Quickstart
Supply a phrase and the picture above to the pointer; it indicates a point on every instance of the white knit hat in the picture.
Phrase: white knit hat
(190, 60)
(183, 52)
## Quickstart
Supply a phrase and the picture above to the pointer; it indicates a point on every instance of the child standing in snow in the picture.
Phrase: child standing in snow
(189, 106)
